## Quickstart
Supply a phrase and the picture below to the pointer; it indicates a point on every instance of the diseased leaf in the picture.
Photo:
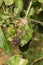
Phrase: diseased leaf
(26, 34)
(3, 42)
(3, 15)
(17, 60)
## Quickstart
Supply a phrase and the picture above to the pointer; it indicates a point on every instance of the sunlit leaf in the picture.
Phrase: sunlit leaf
(8, 2)
(41, 1)
(17, 60)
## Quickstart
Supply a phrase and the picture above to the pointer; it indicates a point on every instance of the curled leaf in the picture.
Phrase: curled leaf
(27, 33)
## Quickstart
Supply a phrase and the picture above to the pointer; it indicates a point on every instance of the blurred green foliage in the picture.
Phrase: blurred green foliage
(18, 27)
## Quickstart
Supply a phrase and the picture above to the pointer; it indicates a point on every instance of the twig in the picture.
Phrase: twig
(28, 10)
(39, 59)
(39, 22)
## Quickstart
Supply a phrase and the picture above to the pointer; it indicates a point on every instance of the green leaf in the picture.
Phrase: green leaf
(9, 2)
(10, 31)
(41, 1)
(18, 7)
(17, 60)
(26, 34)
(32, 11)
(19, 4)
(1, 1)
(16, 12)
(3, 43)
(3, 15)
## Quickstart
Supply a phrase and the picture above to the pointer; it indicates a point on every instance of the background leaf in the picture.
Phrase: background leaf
(18, 8)
(1, 1)
(8, 2)
(3, 42)
(41, 1)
